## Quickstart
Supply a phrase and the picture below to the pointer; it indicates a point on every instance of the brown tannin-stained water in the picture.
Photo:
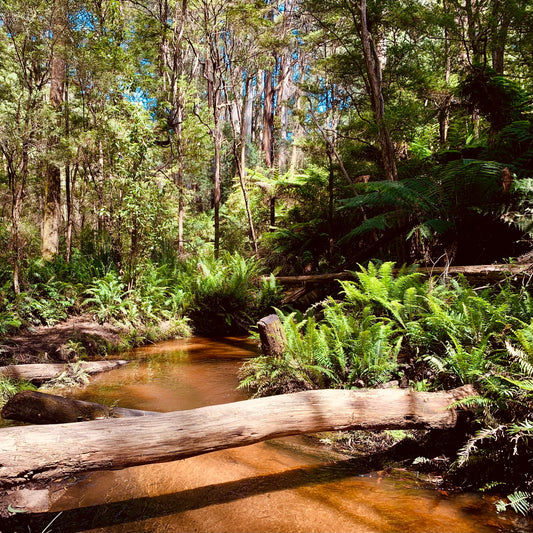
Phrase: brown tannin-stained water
(284, 485)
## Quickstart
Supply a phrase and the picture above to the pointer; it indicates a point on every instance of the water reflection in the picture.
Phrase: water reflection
(283, 485)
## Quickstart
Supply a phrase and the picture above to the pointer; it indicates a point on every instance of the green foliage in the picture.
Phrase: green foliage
(396, 296)
(519, 501)
(107, 297)
(499, 98)
(447, 333)
(226, 293)
(9, 387)
(218, 295)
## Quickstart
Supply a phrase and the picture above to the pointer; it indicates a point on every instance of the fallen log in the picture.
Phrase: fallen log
(41, 372)
(481, 272)
(44, 453)
(40, 408)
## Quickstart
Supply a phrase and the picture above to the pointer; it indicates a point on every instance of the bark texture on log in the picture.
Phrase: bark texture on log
(272, 335)
(45, 453)
(40, 372)
(40, 408)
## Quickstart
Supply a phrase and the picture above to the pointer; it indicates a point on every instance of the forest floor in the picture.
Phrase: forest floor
(60, 342)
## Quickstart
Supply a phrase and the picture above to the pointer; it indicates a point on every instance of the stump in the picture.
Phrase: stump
(272, 335)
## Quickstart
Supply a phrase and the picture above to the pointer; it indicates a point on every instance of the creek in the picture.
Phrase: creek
(285, 485)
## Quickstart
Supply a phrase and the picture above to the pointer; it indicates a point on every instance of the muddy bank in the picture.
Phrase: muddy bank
(79, 335)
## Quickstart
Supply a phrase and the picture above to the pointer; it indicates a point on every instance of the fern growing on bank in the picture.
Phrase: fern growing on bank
(434, 334)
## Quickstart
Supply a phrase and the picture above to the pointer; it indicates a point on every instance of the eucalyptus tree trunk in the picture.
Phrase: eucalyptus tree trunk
(17, 185)
(283, 96)
(501, 21)
(177, 69)
(296, 152)
(214, 67)
(240, 131)
(70, 179)
(286, 89)
(52, 195)
(217, 140)
(267, 142)
(444, 104)
(374, 81)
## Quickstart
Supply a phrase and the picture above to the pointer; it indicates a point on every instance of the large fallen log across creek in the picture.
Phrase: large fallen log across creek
(41, 372)
(50, 452)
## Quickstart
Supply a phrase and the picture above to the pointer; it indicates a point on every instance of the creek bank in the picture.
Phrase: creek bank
(60, 342)
(79, 336)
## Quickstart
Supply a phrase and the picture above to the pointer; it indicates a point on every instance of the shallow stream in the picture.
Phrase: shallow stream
(284, 485)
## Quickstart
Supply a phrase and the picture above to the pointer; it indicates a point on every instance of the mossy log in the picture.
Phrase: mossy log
(41, 372)
(45, 453)
(40, 408)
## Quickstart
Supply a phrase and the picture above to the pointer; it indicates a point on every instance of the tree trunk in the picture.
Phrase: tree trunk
(43, 453)
(331, 199)
(296, 152)
(69, 182)
(217, 139)
(239, 128)
(52, 195)
(52, 213)
(16, 208)
(373, 68)
(268, 120)
(501, 21)
(284, 95)
(35, 407)
(212, 74)
(444, 107)
(175, 63)
(40, 372)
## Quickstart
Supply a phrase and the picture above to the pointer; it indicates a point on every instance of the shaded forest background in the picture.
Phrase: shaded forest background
(315, 135)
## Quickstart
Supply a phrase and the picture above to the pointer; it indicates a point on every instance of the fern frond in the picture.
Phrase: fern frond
(525, 426)
(471, 447)
(519, 502)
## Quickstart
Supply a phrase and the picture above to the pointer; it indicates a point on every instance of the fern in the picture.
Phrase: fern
(472, 446)
(524, 428)
(519, 502)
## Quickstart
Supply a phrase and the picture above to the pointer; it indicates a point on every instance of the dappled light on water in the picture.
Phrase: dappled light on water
(283, 485)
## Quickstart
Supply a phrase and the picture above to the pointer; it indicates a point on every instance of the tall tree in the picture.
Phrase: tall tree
(356, 34)
(52, 192)
(25, 50)
(374, 70)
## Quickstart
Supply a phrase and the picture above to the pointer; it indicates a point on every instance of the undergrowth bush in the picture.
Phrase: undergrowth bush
(219, 296)
(227, 294)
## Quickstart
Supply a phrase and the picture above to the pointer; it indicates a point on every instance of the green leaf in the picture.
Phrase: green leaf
(14, 510)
